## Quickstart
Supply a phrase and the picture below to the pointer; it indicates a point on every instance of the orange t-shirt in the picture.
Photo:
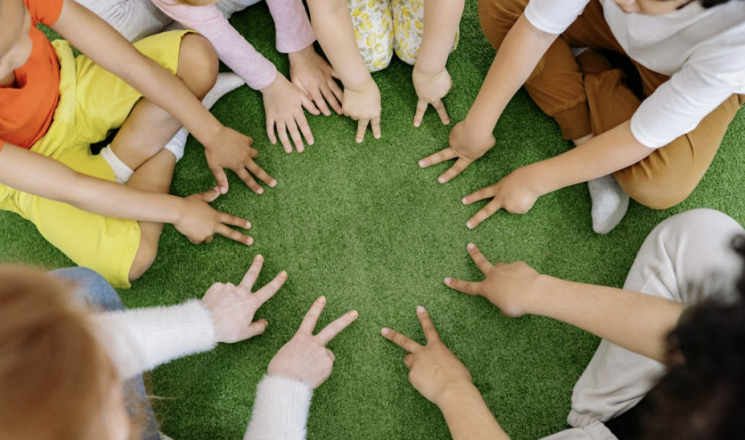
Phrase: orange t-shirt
(26, 111)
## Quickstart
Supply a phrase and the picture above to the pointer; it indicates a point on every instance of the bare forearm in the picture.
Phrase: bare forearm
(632, 320)
(335, 33)
(35, 174)
(602, 155)
(518, 56)
(114, 53)
(468, 417)
(441, 20)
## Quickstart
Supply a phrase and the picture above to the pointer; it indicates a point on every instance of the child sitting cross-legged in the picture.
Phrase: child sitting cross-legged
(54, 106)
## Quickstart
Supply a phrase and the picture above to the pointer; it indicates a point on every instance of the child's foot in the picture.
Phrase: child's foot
(226, 83)
(609, 203)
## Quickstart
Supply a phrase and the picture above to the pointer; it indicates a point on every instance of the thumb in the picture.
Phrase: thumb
(222, 180)
(256, 328)
(211, 195)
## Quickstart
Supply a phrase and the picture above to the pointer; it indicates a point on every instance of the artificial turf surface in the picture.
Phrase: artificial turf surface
(363, 225)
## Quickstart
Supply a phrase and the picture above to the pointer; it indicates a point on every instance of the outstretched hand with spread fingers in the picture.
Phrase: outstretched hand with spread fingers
(434, 369)
(233, 307)
(465, 146)
(511, 287)
(512, 193)
(305, 357)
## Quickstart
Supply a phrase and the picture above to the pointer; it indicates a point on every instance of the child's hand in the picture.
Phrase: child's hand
(233, 150)
(305, 357)
(431, 89)
(513, 193)
(466, 145)
(283, 104)
(199, 222)
(314, 76)
(363, 106)
(434, 368)
(508, 286)
(233, 307)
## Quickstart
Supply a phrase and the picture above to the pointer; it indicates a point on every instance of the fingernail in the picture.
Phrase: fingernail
(416, 123)
(248, 225)
(283, 274)
(249, 241)
(447, 121)
(441, 179)
(223, 190)
(354, 314)
(471, 246)
(273, 183)
(377, 136)
(420, 309)
(259, 258)
(465, 200)
(421, 164)
(384, 331)
(322, 300)
(447, 280)
(359, 141)
(300, 149)
(260, 191)
(469, 225)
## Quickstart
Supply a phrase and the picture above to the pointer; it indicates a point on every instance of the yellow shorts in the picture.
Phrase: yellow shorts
(92, 103)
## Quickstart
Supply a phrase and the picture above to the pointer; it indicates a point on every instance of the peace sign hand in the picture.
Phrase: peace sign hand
(434, 368)
(233, 307)
(466, 145)
(511, 287)
(515, 194)
(305, 357)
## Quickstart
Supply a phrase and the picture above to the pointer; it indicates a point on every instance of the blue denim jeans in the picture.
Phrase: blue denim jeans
(99, 294)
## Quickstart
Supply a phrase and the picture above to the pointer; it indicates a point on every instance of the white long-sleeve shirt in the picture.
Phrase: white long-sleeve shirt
(141, 339)
(703, 50)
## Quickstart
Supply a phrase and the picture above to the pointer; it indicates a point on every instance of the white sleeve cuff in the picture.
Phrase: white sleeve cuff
(141, 339)
(553, 17)
(280, 410)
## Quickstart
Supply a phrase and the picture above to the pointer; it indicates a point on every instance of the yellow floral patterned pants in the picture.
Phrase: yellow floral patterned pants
(382, 26)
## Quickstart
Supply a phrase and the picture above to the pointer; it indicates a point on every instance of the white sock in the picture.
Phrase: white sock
(121, 171)
(177, 143)
(226, 83)
(609, 203)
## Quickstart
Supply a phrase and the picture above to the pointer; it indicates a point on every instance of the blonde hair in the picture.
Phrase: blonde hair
(55, 378)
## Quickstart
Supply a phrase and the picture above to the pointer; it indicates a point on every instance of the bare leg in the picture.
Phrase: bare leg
(140, 141)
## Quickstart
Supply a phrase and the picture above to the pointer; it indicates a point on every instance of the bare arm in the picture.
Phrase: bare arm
(36, 174)
(335, 33)
(39, 175)
(430, 77)
(468, 417)
(632, 320)
(518, 56)
(224, 147)
(443, 379)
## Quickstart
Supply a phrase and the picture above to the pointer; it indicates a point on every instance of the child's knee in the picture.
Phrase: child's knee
(144, 258)
(659, 191)
(198, 64)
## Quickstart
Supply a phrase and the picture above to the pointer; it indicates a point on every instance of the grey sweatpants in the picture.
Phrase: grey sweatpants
(686, 258)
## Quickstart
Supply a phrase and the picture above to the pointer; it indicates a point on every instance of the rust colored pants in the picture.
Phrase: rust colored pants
(587, 95)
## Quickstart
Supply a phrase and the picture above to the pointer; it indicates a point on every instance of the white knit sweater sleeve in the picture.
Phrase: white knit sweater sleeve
(280, 410)
(141, 339)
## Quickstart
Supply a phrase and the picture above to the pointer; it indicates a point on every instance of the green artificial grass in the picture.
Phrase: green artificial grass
(363, 225)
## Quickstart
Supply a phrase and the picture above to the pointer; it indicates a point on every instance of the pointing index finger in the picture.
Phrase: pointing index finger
(400, 340)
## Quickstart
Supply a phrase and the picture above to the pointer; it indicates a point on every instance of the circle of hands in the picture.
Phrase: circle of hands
(434, 369)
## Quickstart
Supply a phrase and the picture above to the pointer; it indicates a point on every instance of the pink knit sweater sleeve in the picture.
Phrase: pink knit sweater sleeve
(294, 31)
(231, 47)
